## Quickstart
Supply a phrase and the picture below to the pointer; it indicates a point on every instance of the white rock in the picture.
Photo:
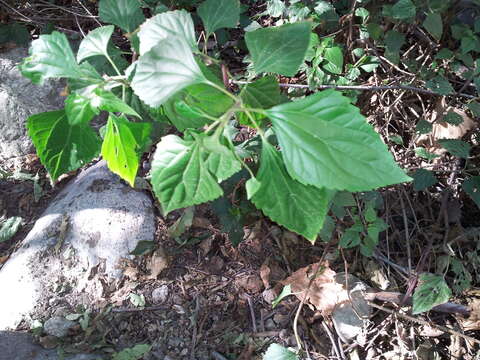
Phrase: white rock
(19, 99)
(57, 326)
(106, 219)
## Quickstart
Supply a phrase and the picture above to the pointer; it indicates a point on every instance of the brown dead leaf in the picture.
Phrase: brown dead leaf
(250, 283)
(206, 245)
(3, 259)
(324, 294)
(157, 263)
(265, 274)
(201, 222)
(472, 323)
(444, 130)
(131, 272)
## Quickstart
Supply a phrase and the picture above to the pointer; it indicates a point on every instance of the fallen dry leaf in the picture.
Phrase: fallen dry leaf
(324, 293)
(250, 283)
(444, 130)
(265, 274)
(328, 290)
(157, 263)
(201, 222)
(472, 323)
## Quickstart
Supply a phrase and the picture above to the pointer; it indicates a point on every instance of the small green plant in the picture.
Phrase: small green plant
(319, 144)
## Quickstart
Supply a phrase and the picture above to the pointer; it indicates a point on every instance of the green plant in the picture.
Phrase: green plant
(326, 144)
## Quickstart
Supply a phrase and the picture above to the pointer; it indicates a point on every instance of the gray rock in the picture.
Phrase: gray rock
(21, 346)
(75, 248)
(19, 99)
(58, 326)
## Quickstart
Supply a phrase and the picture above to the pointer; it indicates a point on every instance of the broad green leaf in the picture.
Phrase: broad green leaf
(422, 179)
(403, 9)
(79, 109)
(219, 14)
(60, 146)
(143, 247)
(182, 224)
(89, 80)
(201, 99)
(220, 160)
(432, 290)
(121, 148)
(9, 227)
(134, 353)
(440, 85)
(278, 352)
(326, 142)
(351, 238)
(14, 33)
(453, 118)
(472, 187)
(456, 147)
(434, 25)
(126, 14)
(423, 126)
(394, 41)
(180, 176)
(50, 56)
(166, 69)
(170, 24)
(474, 107)
(300, 208)
(279, 49)
(262, 93)
(423, 153)
(334, 58)
(95, 43)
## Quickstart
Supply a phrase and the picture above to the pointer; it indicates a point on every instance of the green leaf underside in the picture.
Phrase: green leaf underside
(166, 69)
(431, 291)
(126, 14)
(121, 148)
(300, 208)
(180, 176)
(170, 24)
(279, 49)
(278, 352)
(326, 142)
(50, 57)
(9, 227)
(95, 43)
(200, 97)
(62, 147)
(219, 14)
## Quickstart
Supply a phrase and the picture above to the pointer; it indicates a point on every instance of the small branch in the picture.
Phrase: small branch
(150, 308)
(396, 298)
(367, 88)
(423, 322)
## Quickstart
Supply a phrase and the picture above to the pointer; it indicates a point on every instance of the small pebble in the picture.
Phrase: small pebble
(160, 294)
